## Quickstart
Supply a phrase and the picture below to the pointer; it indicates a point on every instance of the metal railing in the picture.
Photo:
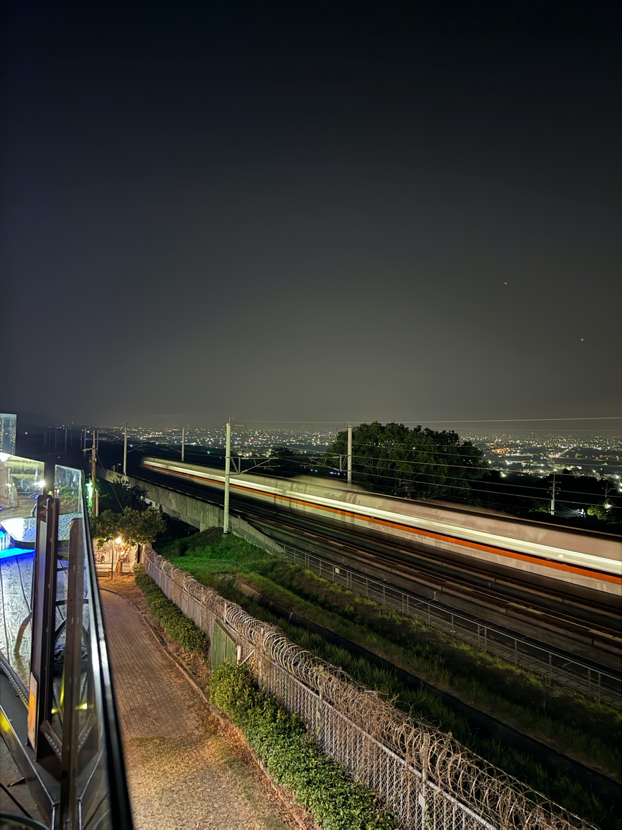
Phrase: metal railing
(424, 776)
(552, 666)
(61, 728)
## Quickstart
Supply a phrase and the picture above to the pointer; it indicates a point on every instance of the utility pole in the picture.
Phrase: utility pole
(225, 522)
(553, 492)
(607, 503)
(65, 440)
(125, 450)
(93, 451)
(183, 442)
(349, 455)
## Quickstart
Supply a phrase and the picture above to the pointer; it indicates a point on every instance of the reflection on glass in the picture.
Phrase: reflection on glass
(74, 730)
(8, 425)
(21, 480)
(78, 687)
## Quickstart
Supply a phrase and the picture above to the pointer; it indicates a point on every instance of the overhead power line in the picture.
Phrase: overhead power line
(433, 463)
(464, 483)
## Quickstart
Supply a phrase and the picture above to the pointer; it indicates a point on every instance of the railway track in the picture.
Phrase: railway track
(412, 572)
(601, 680)
(582, 626)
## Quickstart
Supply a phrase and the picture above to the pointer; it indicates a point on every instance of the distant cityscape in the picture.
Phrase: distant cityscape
(247, 442)
(536, 453)
(542, 454)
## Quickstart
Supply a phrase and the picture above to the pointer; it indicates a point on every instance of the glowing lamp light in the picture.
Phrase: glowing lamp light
(118, 540)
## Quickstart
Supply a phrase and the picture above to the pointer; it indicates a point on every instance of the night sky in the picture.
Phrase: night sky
(311, 211)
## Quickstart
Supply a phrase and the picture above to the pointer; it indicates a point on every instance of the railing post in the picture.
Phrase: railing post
(43, 625)
(72, 697)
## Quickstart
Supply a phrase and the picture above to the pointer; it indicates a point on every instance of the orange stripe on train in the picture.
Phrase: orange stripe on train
(454, 540)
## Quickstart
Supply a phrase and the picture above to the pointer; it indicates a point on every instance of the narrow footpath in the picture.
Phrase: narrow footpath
(182, 774)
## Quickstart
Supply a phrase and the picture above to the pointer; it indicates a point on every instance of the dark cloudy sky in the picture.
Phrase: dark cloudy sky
(311, 211)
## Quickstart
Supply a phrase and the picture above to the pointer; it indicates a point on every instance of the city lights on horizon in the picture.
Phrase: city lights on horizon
(535, 451)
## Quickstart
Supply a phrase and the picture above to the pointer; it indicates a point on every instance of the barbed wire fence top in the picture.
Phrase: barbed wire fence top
(435, 770)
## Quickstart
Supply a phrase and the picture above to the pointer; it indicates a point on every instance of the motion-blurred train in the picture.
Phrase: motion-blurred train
(576, 557)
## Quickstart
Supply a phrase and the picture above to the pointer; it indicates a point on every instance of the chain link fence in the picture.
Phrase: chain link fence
(426, 778)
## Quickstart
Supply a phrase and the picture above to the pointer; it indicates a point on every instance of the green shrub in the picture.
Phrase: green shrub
(177, 626)
(294, 759)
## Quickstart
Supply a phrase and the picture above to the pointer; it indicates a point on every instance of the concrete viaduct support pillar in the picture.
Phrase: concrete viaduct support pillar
(187, 509)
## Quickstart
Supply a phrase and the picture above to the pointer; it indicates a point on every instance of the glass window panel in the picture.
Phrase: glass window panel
(7, 433)
(21, 480)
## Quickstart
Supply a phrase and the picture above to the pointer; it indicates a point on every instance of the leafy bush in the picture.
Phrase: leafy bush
(177, 626)
(133, 525)
(294, 759)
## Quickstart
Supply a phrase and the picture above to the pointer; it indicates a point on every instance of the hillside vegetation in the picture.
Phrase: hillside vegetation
(583, 729)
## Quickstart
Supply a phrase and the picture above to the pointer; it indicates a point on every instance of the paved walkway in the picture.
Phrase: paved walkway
(181, 774)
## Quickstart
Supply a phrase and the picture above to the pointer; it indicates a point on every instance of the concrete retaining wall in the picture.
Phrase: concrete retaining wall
(190, 510)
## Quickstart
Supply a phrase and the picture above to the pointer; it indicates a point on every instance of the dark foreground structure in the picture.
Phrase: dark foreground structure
(64, 766)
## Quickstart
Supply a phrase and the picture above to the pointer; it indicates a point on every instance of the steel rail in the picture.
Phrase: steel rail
(553, 665)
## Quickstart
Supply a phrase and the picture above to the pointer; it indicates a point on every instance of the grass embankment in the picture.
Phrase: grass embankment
(292, 757)
(579, 727)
